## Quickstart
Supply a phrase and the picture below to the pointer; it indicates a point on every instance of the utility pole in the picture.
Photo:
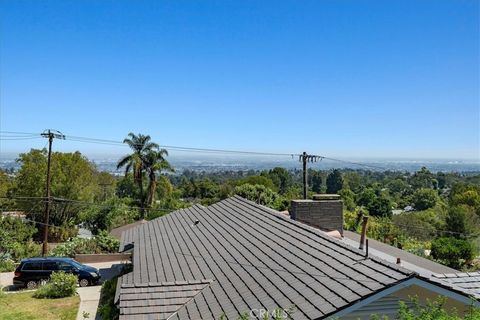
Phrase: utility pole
(305, 181)
(50, 135)
(304, 158)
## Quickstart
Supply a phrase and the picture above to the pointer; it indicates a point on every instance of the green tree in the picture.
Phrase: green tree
(261, 195)
(470, 197)
(6, 186)
(422, 179)
(141, 145)
(424, 199)
(106, 186)
(15, 238)
(155, 162)
(453, 252)
(73, 177)
(126, 187)
(281, 178)
(348, 198)
(258, 180)
(462, 221)
(108, 215)
(334, 181)
(376, 202)
(315, 180)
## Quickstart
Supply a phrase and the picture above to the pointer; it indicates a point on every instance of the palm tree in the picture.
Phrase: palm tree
(141, 145)
(155, 162)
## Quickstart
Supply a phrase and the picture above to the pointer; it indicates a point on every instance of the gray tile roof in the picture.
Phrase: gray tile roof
(117, 232)
(468, 282)
(390, 253)
(256, 258)
(156, 300)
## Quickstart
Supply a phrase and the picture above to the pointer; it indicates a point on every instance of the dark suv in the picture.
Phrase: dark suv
(33, 271)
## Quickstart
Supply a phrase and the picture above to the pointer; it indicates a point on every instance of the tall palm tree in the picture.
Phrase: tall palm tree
(141, 145)
(155, 162)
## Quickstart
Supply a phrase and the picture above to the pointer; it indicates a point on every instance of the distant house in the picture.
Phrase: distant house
(236, 257)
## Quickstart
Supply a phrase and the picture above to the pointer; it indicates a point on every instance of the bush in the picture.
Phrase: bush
(21, 250)
(106, 307)
(7, 265)
(106, 242)
(115, 212)
(262, 195)
(453, 252)
(102, 243)
(60, 285)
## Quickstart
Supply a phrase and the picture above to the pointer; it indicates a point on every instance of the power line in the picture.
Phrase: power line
(18, 132)
(85, 203)
(210, 150)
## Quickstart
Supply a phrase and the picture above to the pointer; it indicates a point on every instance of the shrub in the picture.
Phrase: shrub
(453, 252)
(115, 212)
(262, 195)
(106, 307)
(101, 243)
(7, 265)
(106, 242)
(21, 250)
(60, 285)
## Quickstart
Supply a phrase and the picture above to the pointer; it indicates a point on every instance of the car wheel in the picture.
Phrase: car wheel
(83, 282)
(31, 285)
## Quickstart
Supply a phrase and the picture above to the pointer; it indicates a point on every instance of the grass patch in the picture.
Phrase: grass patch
(24, 306)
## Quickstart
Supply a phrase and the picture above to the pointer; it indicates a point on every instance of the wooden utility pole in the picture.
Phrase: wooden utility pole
(305, 181)
(50, 135)
(304, 158)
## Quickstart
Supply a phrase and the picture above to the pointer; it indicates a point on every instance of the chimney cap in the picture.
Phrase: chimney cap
(326, 197)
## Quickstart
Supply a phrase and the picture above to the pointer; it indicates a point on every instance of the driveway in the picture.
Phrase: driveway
(90, 296)
(6, 279)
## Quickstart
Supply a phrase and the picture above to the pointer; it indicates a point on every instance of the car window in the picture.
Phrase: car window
(37, 265)
(50, 266)
(65, 266)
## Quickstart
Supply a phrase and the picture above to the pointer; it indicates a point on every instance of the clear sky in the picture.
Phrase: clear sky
(340, 78)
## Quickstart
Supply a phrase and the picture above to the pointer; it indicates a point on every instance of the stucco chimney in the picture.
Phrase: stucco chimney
(325, 212)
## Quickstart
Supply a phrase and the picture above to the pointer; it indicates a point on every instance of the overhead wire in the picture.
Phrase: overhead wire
(208, 150)
(84, 203)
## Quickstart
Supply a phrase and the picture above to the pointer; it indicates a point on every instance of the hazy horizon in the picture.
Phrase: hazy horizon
(327, 77)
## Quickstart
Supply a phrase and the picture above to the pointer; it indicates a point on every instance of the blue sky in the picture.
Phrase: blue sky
(339, 78)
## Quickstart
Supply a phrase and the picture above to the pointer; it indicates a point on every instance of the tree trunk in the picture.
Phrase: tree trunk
(142, 196)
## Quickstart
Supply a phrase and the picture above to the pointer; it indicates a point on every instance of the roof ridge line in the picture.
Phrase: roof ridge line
(168, 283)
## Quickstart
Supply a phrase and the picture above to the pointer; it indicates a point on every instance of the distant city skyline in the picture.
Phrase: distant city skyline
(348, 79)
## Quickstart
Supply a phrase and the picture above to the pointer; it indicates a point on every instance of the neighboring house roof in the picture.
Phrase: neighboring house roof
(422, 266)
(161, 299)
(255, 257)
(468, 283)
(117, 232)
